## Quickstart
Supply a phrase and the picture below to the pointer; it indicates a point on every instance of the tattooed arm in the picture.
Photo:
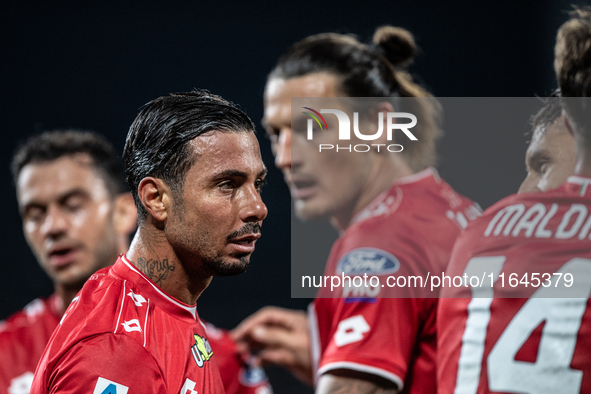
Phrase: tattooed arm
(351, 382)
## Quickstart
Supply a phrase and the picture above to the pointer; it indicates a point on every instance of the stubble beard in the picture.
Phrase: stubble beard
(219, 266)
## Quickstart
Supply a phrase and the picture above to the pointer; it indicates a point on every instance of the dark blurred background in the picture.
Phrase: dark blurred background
(91, 65)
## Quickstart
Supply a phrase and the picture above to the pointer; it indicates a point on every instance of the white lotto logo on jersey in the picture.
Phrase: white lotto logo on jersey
(106, 386)
(21, 384)
(188, 387)
(132, 325)
(368, 261)
(351, 330)
(138, 300)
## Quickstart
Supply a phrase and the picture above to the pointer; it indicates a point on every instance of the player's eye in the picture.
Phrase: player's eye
(259, 184)
(34, 214)
(543, 166)
(73, 203)
(227, 185)
(271, 132)
(299, 126)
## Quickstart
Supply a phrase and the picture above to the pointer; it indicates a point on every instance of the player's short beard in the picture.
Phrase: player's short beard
(220, 267)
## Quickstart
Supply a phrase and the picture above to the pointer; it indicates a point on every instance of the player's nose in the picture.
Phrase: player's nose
(254, 209)
(55, 223)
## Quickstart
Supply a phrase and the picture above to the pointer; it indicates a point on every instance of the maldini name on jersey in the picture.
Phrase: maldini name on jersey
(122, 333)
(534, 337)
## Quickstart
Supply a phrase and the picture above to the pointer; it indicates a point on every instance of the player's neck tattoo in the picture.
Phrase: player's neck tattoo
(156, 270)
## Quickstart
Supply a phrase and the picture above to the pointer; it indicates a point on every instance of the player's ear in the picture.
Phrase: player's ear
(156, 197)
(125, 214)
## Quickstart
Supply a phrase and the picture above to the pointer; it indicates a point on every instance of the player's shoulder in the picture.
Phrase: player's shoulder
(97, 307)
(36, 315)
(219, 337)
(422, 208)
(574, 191)
(415, 203)
(431, 193)
(562, 214)
(106, 362)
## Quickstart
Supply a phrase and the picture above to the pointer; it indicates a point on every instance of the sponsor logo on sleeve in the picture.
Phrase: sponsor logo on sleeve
(106, 386)
(368, 261)
(21, 384)
(201, 350)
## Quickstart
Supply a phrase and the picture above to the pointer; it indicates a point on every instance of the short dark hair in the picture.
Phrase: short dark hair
(573, 70)
(158, 140)
(52, 145)
(550, 111)
(374, 70)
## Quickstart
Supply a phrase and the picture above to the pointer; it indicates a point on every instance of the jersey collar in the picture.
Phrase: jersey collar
(387, 201)
(582, 182)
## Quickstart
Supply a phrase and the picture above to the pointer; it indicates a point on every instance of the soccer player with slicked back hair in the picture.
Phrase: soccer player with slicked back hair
(77, 217)
(489, 340)
(195, 170)
(387, 206)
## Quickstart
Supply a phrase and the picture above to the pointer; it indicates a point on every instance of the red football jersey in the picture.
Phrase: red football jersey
(23, 337)
(534, 246)
(239, 375)
(123, 333)
(408, 230)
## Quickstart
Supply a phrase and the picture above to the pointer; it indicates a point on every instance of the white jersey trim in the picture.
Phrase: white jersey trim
(314, 340)
(580, 180)
(120, 308)
(363, 368)
(192, 309)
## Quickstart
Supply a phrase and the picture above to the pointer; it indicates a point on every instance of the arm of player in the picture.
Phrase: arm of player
(106, 363)
(351, 382)
(282, 338)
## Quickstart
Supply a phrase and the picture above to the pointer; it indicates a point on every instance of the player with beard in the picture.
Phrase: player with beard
(489, 340)
(194, 167)
(394, 205)
(550, 156)
(77, 217)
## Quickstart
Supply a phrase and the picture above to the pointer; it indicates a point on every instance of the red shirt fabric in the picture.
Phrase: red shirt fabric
(23, 337)
(500, 339)
(411, 227)
(239, 375)
(123, 333)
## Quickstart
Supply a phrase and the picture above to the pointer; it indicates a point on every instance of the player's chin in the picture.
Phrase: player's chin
(309, 209)
(233, 265)
(74, 279)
